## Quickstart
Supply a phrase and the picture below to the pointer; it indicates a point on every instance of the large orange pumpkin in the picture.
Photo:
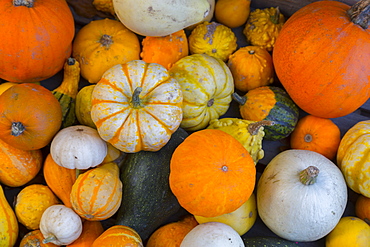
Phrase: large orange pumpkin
(322, 58)
(30, 116)
(37, 39)
(211, 173)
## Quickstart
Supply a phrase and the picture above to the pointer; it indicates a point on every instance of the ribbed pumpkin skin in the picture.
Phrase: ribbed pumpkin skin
(353, 157)
(18, 167)
(96, 195)
(117, 236)
(8, 222)
(36, 47)
(322, 58)
(34, 239)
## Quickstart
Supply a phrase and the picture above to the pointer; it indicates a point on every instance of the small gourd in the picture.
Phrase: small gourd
(34, 239)
(83, 106)
(104, 6)
(91, 230)
(60, 225)
(8, 222)
(263, 27)
(117, 236)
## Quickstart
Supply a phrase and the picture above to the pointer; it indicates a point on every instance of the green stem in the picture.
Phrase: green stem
(136, 101)
(239, 99)
(308, 176)
(276, 17)
(49, 239)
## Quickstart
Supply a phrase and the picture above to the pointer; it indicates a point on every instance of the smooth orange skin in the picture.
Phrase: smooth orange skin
(91, 230)
(322, 60)
(36, 108)
(117, 236)
(362, 207)
(36, 41)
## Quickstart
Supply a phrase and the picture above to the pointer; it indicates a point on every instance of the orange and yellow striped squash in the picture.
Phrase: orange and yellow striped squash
(119, 235)
(8, 222)
(137, 106)
(353, 157)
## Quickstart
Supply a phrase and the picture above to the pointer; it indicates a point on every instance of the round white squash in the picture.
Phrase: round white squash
(78, 147)
(297, 211)
(215, 234)
(160, 18)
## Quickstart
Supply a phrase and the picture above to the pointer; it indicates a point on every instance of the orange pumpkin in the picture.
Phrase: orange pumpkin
(38, 39)
(18, 167)
(165, 50)
(30, 116)
(117, 236)
(59, 179)
(362, 208)
(317, 134)
(34, 239)
(211, 173)
(322, 55)
(91, 230)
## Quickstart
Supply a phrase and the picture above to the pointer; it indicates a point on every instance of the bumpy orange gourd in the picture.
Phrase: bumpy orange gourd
(34, 239)
(102, 44)
(91, 230)
(251, 67)
(37, 39)
(321, 58)
(59, 179)
(96, 195)
(8, 222)
(30, 116)
(117, 236)
(317, 134)
(18, 167)
(211, 173)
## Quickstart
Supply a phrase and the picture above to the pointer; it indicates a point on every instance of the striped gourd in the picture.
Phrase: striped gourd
(8, 222)
(119, 235)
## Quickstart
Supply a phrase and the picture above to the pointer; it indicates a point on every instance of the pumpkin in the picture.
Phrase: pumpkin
(34, 239)
(31, 202)
(317, 134)
(91, 230)
(362, 208)
(350, 231)
(301, 195)
(59, 179)
(30, 116)
(172, 234)
(78, 147)
(214, 234)
(83, 106)
(313, 58)
(269, 103)
(118, 235)
(207, 84)
(263, 27)
(165, 50)
(101, 44)
(211, 173)
(8, 222)
(137, 106)
(35, 48)
(352, 157)
(97, 193)
(241, 220)
(60, 225)
(18, 167)
(232, 13)
(251, 67)
(213, 39)
(161, 18)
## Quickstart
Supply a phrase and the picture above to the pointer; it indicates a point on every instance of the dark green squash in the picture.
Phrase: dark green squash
(269, 103)
(267, 242)
(147, 200)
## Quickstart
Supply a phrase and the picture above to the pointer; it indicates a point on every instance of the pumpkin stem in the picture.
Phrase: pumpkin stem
(359, 13)
(308, 138)
(49, 239)
(17, 128)
(254, 127)
(276, 17)
(106, 40)
(308, 176)
(26, 3)
(136, 101)
(71, 61)
(240, 99)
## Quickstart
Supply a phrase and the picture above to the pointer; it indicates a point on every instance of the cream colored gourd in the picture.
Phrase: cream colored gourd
(215, 234)
(160, 18)
(60, 225)
(298, 202)
(78, 147)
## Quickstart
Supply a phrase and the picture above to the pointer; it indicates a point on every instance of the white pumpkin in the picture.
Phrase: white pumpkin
(78, 147)
(60, 225)
(160, 18)
(215, 234)
(301, 195)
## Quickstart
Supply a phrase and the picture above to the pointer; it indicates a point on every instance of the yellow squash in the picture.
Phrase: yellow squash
(8, 222)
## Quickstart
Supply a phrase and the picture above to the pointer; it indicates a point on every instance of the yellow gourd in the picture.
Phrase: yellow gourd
(249, 133)
(4, 86)
(83, 106)
(232, 13)
(213, 39)
(8, 222)
(263, 27)
(104, 6)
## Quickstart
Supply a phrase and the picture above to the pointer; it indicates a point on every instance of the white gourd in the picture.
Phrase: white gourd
(296, 211)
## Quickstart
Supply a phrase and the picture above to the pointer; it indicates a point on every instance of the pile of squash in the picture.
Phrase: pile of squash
(142, 123)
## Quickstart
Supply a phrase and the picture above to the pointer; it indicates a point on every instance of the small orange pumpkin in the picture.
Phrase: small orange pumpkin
(34, 239)
(91, 230)
(211, 173)
(362, 208)
(30, 116)
(317, 134)
(117, 236)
